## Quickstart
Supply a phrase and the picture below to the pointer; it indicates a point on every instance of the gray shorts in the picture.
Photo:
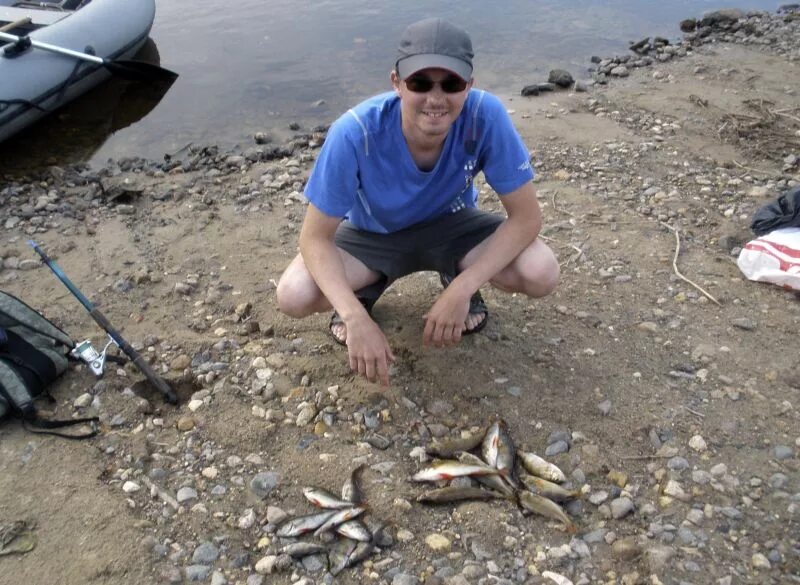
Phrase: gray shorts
(437, 245)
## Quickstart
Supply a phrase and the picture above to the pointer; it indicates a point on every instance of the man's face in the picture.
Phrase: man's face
(429, 114)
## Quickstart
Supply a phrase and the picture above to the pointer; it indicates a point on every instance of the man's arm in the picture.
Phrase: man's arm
(445, 320)
(367, 347)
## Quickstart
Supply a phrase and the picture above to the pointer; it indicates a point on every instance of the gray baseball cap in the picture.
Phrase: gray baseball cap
(434, 42)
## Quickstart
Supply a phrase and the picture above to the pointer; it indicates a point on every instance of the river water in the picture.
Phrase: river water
(257, 65)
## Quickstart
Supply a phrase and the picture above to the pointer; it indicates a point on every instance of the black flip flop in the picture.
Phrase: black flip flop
(477, 306)
(337, 320)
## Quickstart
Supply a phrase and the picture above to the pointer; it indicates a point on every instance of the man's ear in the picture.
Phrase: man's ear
(395, 81)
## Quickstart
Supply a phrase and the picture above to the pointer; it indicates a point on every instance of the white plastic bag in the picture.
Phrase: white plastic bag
(774, 257)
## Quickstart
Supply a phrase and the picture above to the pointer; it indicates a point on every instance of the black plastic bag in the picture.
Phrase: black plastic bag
(781, 213)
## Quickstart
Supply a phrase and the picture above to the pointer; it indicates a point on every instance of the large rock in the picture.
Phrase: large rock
(724, 16)
(561, 78)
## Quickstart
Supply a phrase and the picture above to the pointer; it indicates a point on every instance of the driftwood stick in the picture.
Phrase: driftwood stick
(694, 412)
(675, 264)
(162, 493)
(741, 166)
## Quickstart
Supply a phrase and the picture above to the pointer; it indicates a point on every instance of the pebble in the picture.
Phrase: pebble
(698, 443)
(266, 565)
(247, 520)
(621, 507)
(263, 483)
(759, 561)
(186, 494)
(404, 535)
(185, 423)
(205, 554)
(605, 407)
(556, 448)
(130, 487)
(405, 579)
(678, 464)
(437, 542)
(658, 557)
(782, 452)
(83, 400)
(598, 497)
(745, 324)
(197, 572)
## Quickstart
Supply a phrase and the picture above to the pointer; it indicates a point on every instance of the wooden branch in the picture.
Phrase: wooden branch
(675, 264)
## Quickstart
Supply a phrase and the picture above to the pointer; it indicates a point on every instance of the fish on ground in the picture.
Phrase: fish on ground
(351, 490)
(449, 469)
(506, 453)
(448, 448)
(324, 499)
(537, 466)
(548, 489)
(490, 443)
(303, 524)
(354, 530)
(495, 482)
(340, 554)
(339, 517)
(545, 507)
(456, 494)
(298, 550)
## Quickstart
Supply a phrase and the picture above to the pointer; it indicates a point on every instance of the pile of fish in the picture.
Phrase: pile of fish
(535, 488)
(338, 516)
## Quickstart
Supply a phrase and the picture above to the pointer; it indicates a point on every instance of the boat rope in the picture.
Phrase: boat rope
(5, 104)
(68, 81)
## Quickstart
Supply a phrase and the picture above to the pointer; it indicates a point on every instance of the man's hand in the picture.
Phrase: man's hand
(368, 349)
(445, 322)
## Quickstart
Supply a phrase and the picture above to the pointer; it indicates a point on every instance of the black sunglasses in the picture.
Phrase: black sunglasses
(422, 84)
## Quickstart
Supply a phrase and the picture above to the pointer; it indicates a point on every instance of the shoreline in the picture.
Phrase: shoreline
(716, 26)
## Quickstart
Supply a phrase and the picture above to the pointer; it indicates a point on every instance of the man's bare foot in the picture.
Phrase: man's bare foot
(339, 329)
(475, 319)
(339, 332)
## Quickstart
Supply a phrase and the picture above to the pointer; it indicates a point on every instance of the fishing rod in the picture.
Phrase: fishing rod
(86, 352)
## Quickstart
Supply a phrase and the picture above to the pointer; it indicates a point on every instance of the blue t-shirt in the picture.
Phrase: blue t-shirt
(365, 172)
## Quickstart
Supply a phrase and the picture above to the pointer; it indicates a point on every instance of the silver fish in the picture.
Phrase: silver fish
(506, 455)
(303, 524)
(324, 499)
(351, 490)
(547, 508)
(456, 494)
(448, 469)
(298, 550)
(339, 517)
(451, 447)
(354, 530)
(362, 552)
(549, 489)
(340, 555)
(495, 482)
(490, 443)
(541, 468)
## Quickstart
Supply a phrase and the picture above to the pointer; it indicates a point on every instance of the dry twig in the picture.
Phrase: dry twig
(675, 264)
(741, 166)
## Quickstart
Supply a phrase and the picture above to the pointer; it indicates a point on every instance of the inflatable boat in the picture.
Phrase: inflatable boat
(39, 71)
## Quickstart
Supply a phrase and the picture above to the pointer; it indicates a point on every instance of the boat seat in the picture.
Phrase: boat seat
(38, 17)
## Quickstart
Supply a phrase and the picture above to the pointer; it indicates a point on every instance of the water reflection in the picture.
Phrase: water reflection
(77, 131)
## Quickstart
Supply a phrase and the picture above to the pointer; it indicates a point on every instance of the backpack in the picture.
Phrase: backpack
(33, 353)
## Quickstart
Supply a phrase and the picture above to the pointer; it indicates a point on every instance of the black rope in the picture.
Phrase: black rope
(5, 104)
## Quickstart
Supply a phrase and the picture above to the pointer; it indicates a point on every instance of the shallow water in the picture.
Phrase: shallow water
(260, 64)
